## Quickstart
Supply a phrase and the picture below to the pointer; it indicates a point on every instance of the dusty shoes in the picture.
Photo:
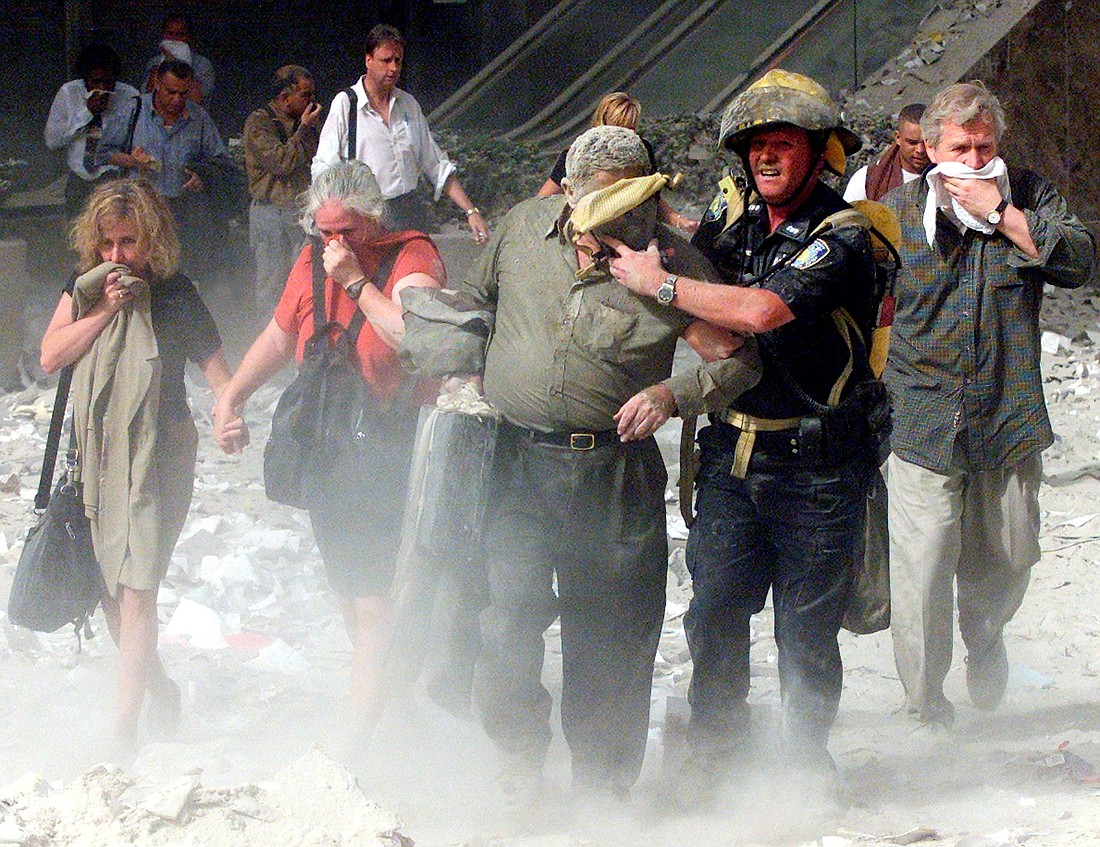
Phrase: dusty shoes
(162, 717)
(987, 675)
(937, 714)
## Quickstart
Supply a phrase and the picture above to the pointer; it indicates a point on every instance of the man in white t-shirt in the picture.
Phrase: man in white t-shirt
(901, 162)
(391, 135)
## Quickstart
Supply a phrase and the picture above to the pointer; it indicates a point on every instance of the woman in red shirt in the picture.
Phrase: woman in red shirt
(358, 528)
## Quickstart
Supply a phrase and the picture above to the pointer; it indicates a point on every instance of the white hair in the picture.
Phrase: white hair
(961, 104)
(349, 184)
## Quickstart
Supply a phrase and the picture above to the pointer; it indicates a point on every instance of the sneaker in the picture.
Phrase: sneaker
(528, 799)
(987, 675)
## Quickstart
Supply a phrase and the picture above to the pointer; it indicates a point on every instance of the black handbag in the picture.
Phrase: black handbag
(325, 410)
(58, 579)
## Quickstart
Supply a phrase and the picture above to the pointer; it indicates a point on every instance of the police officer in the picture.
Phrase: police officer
(781, 487)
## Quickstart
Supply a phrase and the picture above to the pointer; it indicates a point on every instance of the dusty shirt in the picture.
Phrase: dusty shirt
(72, 125)
(963, 369)
(277, 155)
(192, 139)
(814, 275)
(567, 353)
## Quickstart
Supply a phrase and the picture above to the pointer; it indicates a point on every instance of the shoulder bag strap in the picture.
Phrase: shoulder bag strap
(129, 145)
(317, 264)
(53, 439)
(381, 277)
(320, 310)
(353, 123)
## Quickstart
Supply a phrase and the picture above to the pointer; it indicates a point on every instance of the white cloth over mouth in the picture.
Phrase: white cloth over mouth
(940, 198)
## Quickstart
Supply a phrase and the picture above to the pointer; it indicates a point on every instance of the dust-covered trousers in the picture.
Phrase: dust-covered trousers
(276, 238)
(977, 528)
(796, 530)
(595, 519)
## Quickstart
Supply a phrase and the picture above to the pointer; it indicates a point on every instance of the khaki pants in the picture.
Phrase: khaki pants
(980, 529)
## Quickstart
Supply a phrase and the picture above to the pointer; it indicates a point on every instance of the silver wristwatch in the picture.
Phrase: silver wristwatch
(667, 292)
(994, 217)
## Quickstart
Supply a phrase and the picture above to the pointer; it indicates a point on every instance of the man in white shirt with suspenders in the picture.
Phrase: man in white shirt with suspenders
(391, 135)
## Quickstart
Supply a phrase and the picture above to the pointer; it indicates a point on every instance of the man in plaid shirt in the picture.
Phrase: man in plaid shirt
(979, 242)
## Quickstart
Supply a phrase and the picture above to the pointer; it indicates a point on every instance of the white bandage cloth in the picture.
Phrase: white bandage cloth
(940, 198)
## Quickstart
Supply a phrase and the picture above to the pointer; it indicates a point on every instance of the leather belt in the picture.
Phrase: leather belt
(578, 441)
(749, 426)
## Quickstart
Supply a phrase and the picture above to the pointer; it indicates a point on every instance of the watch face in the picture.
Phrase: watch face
(994, 217)
(666, 293)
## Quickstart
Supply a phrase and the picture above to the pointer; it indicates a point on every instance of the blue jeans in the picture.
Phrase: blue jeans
(795, 530)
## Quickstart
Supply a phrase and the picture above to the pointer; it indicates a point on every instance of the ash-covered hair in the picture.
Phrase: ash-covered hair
(350, 184)
(134, 200)
(961, 104)
(604, 148)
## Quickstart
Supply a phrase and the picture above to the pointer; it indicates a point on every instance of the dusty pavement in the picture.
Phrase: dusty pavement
(253, 635)
(251, 632)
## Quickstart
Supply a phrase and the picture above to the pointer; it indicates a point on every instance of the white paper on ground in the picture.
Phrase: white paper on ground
(199, 624)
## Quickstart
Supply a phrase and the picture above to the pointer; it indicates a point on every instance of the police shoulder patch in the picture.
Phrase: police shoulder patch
(811, 255)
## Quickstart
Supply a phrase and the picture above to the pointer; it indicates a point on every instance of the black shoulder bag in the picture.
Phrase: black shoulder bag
(325, 409)
(58, 580)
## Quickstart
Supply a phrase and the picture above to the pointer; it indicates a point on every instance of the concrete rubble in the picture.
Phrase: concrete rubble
(314, 801)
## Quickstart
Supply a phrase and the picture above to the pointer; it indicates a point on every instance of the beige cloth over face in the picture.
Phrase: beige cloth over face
(116, 399)
(606, 204)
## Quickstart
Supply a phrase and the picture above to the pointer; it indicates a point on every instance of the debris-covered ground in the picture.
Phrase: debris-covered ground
(264, 754)
(252, 633)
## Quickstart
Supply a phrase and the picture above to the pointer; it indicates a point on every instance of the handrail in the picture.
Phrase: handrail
(570, 92)
(770, 57)
(452, 105)
(703, 8)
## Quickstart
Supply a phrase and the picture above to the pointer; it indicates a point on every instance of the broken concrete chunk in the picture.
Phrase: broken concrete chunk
(171, 801)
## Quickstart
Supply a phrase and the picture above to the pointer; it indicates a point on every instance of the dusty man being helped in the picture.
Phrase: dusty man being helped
(579, 369)
(781, 489)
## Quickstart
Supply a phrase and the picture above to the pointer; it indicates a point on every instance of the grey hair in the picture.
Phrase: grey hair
(604, 148)
(962, 103)
(350, 184)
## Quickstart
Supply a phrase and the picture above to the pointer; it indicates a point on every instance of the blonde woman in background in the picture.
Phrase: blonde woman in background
(619, 109)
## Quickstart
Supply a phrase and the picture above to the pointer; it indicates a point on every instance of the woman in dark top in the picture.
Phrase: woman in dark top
(135, 401)
(619, 109)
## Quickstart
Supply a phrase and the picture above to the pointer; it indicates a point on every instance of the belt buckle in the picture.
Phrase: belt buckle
(582, 441)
